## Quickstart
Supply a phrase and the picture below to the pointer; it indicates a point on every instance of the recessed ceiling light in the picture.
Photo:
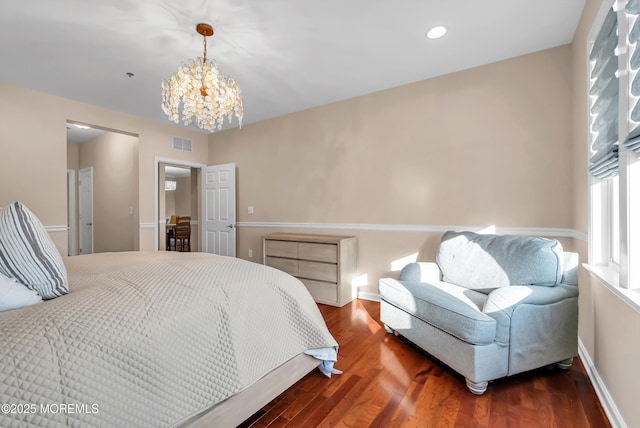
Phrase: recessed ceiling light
(436, 32)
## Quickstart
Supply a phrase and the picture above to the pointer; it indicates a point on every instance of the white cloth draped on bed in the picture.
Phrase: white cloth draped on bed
(151, 338)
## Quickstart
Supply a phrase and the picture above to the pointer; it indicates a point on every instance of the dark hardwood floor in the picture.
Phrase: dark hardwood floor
(388, 382)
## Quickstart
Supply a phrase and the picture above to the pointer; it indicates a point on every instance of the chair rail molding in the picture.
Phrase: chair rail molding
(538, 231)
(57, 228)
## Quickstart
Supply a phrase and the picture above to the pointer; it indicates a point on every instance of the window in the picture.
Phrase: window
(170, 185)
(614, 140)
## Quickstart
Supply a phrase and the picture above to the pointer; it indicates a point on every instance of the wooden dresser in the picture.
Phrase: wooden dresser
(326, 264)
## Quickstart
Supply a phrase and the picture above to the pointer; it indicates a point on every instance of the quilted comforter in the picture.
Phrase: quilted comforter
(148, 339)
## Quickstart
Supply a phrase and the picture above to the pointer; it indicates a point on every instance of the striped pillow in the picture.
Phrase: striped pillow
(28, 254)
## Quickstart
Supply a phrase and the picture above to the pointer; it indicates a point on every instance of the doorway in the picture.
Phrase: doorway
(177, 184)
(177, 192)
(213, 203)
(113, 199)
(71, 212)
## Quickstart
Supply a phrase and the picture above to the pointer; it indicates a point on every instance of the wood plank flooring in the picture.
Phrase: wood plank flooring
(388, 382)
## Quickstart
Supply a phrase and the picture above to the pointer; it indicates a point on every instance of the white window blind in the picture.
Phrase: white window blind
(632, 142)
(604, 95)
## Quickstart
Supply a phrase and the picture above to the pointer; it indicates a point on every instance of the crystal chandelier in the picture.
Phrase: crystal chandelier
(206, 95)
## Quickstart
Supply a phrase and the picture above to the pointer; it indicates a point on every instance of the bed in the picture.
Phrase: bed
(158, 339)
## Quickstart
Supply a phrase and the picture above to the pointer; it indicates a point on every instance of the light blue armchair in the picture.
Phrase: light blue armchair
(491, 306)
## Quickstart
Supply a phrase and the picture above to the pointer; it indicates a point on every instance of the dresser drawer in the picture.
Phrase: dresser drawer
(289, 266)
(318, 252)
(281, 249)
(323, 292)
(317, 270)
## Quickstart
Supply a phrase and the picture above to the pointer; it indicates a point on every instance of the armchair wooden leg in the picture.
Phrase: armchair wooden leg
(565, 364)
(478, 388)
(390, 330)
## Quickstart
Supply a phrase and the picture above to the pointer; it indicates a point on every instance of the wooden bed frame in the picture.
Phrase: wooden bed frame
(238, 408)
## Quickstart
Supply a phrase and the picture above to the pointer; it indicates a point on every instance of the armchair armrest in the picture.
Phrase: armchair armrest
(502, 302)
(507, 299)
(421, 272)
(570, 267)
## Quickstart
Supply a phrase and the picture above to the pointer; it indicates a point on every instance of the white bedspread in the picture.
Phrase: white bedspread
(147, 339)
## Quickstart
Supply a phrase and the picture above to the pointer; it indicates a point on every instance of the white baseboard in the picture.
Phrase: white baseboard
(364, 295)
(615, 418)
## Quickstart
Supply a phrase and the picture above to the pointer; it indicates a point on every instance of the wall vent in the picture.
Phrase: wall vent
(182, 144)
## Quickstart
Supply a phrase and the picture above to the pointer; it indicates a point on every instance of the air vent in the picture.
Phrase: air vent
(183, 144)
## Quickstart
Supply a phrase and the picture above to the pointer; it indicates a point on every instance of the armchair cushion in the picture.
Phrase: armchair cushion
(486, 262)
(450, 308)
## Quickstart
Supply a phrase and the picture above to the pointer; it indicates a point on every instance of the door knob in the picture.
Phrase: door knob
(230, 226)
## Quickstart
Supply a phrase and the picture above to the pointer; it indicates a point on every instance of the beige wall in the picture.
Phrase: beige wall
(178, 202)
(33, 136)
(609, 327)
(484, 147)
(170, 203)
(183, 197)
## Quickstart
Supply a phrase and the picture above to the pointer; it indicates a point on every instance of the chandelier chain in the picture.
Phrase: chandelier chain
(203, 87)
(204, 42)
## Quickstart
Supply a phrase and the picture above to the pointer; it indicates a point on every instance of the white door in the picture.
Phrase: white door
(219, 209)
(85, 209)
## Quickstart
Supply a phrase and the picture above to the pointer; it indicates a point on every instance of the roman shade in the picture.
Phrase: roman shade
(632, 142)
(604, 92)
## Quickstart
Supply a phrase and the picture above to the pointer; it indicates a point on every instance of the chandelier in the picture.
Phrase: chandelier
(206, 95)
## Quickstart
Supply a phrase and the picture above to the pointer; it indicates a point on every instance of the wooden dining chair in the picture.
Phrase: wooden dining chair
(170, 233)
(183, 234)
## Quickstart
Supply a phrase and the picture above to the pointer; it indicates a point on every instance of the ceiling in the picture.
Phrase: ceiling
(79, 135)
(286, 55)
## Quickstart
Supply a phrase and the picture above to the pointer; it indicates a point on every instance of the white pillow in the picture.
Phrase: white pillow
(28, 254)
(14, 295)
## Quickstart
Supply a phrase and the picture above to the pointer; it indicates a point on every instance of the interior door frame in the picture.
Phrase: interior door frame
(176, 162)
(71, 212)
